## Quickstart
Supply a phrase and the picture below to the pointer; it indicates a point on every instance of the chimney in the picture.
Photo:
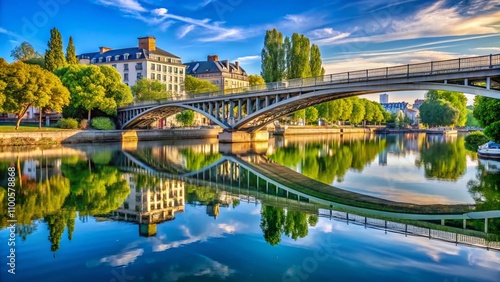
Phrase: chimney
(104, 49)
(212, 58)
(227, 64)
(237, 65)
(148, 43)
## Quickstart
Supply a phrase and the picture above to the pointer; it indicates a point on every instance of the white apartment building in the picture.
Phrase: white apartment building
(145, 60)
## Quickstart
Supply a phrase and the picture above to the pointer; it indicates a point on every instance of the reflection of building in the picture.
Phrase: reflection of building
(152, 200)
(224, 74)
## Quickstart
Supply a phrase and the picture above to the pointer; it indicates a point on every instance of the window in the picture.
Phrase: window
(175, 70)
(170, 87)
(125, 67)
(125, 56)
(159, 58)
(93, 61)
(158, 76)
(139, 76)
(100, 60)
(176, 80)
(138, 66)
(164, 68)
(171, 79)
(113, 65)
(138, 55)
(158, 67)
(152, 76)
(125, 205)
(117, 57)
(108, 59)
(152, 66)
(181, 71)
(169, 69)
(164, 78)
(181, 79)
(176, 87)
(125, 76)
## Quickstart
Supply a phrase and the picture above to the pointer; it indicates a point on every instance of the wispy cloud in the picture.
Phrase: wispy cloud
(247, 58)
(123, 5)
(488, 48)
(184, 30)
(200, 5)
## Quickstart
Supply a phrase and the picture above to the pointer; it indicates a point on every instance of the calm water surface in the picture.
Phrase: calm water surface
(188, 211)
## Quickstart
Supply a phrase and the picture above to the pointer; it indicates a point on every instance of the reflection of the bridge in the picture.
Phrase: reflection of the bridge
(240, 177)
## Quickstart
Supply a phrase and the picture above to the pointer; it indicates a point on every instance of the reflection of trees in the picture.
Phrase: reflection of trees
(196, 161)
(203, 195)
(275, 222)
(326, 161)
(443, 160)
(485, 190)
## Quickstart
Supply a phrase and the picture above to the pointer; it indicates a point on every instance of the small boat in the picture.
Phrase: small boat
(491, 166)
(489, 150)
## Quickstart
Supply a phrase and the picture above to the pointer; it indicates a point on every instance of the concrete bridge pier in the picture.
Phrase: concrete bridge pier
(243, 137)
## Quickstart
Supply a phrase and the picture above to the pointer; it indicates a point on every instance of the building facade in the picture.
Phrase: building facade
(145, 60)
(224, 74)
(384, 98)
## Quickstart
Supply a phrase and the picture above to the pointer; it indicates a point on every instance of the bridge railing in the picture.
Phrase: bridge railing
(410, 70)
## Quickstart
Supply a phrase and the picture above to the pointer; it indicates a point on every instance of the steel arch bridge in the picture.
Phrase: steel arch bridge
(250, 109)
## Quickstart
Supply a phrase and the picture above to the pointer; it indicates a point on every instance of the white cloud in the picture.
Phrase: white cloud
(200, 5)
(124, 5)
(123, 259)
(184, 30)
(488, 48)
(246, 59)
(231, 229)
(159, 11)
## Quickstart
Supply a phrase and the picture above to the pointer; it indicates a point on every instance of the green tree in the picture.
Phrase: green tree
(300, 52)
(71, 52)
(296, 225)
(370, 110)
(271, 223)
(3, 81)
(185, 117)
(94, 87)
(145, 89)
(456, 99)
(471, 120)
(311, 114)
(194, 85)
(438, 113)
(273, 57)
(486, 110)
(346, 109)
(493, 131)
(255, 80)
(316, 64)
(443, 160)
(54, 56)
(24, 52)
(36, 61)
(31, 86)
(358, 112)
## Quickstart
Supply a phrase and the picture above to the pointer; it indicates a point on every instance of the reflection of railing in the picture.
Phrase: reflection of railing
(408, 229)
(409, 70)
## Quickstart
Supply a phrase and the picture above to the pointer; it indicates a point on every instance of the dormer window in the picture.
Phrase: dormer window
(100, 60)
(138, 55)
(93, 60)
(108, 59)
(117, 57)
(125, 56)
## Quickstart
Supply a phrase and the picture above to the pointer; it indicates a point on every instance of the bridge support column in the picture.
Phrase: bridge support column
(243, 137)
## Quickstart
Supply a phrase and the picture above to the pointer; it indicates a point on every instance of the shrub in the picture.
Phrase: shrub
(493, 131)
(67, 123)
(22, 141)
(475, 139)
(103, 123)
(46, 141)
(83, 124)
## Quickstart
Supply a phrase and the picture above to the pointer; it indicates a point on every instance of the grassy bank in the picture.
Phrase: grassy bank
(28, 127)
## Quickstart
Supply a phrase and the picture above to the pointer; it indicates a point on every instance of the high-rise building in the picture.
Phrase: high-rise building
(145, 60)
(384, 98)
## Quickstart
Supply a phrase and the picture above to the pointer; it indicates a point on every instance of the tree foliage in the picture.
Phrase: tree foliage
(24, 52)
(443, 160)
(185, 117)
(273, 57)
(456, 99)
(438, 113)
(486, 110)
(194, 85)
(358, 112)
(145, 89)
(30, 85)
(54, 56)
(71, 52)
(493, 131)
(316, 64)
(255, 80)
(94, 87)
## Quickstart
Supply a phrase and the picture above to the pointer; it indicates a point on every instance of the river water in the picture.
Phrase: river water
(193, 210)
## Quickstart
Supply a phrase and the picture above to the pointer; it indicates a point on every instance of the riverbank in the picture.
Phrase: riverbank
(95, 136)
(314, 130)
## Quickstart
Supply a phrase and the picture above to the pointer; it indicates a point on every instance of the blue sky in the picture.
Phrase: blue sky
(352, 35)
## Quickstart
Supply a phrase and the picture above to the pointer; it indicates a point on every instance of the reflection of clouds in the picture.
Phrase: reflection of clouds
(123, 259)
(198, 266)
(486, 260)
(227, 228)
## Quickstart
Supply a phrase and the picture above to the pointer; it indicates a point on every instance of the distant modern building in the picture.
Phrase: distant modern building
(418, 103)
(145, 60)
(224, 74)
(384, 98)
(394, 107)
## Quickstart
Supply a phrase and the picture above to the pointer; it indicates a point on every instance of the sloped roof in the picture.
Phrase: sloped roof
(199, 67)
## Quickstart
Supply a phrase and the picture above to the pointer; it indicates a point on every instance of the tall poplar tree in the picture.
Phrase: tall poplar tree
(54, 56)
(315, 62)
(71, 53)
(273, 57)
